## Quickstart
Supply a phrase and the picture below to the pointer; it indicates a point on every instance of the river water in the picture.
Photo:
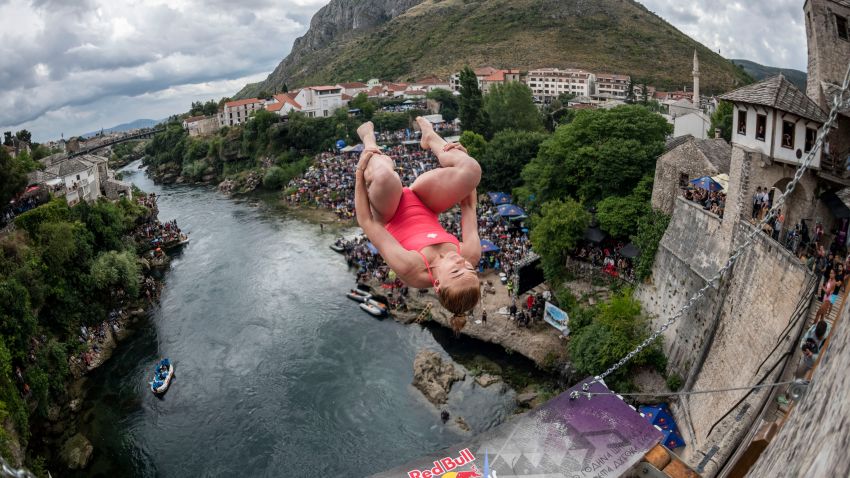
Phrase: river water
(277, 372)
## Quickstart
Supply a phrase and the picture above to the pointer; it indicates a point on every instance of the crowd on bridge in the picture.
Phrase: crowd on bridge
(712, 201)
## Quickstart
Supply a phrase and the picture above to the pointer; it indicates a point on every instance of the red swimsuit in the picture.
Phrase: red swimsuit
(415, 226)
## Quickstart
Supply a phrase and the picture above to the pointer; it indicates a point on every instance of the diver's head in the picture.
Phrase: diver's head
(456, 282)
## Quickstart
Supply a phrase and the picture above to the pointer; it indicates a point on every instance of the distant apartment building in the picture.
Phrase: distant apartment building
(612, 86)
(487, 77)
(319, 101)
(547, 84)
(237, 112)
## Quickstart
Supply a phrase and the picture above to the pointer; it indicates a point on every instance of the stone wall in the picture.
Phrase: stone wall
(684, 159)
(691, 251)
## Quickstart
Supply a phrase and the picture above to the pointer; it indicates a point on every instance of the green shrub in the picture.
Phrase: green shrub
(675, 382)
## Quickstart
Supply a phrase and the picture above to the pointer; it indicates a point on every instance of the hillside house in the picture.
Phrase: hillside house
(319, 101)
(547, 84)
(201, 125)
(237, 112)
(282, 104)
(487, 77)
(686, 158)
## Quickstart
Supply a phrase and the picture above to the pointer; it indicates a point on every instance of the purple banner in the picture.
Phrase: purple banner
(599, 437)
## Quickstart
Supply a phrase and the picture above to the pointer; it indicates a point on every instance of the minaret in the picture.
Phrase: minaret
(696, 80)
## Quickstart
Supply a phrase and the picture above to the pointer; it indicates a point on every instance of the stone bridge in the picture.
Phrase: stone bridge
(130, 137)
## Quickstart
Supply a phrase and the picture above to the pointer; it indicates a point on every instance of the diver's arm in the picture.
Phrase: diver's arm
(470, 249)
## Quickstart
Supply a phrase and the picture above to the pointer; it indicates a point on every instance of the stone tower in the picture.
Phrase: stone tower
(828, 40)
(696, 80)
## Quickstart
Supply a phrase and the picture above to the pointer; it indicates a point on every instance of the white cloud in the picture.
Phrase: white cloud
(770, 32)
(71, 66)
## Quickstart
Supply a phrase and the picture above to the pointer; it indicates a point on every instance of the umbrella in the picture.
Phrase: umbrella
(723, 180)
(707, 183)
(672, 440)
(594, 234)
(509, 210)
(499, 198)
(357, 149)
(487, 246)
(631, 251)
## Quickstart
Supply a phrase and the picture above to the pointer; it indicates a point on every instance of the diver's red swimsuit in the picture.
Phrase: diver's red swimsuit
(415, 226)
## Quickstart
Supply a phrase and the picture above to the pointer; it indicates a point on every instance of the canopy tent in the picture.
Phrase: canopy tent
(499, 198)
(487, 246)
(659, 415)
(372, 248)
(706, 183)
(630, 251)
(509, 210)
(594, 234)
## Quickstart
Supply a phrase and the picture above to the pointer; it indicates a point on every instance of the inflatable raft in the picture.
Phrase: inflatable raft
(162, 375)
(374, 307)
(358, 295)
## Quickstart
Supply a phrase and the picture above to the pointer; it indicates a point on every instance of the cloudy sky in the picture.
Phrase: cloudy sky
(73, 66)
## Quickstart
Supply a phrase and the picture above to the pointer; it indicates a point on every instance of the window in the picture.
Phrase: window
(811, 136)
(841, 24)
(742, 122)
(788, 134)
(761, 126)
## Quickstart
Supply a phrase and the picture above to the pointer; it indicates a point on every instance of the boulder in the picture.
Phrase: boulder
(485, 379)
(461, 423)
(525, 399)
(434, 377)
(77, 451)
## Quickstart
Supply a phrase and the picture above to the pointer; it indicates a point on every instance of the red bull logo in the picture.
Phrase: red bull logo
(443, 468)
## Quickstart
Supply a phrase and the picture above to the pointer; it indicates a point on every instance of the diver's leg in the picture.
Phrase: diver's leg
(382, 182)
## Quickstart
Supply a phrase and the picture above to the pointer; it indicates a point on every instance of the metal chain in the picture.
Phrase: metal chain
(693, 392)
(838, 102)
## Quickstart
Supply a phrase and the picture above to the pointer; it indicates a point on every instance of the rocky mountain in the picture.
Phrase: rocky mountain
(408, 39)
(136, 124)
(760, 72)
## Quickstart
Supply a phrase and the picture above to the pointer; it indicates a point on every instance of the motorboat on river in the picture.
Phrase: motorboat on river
(175, 242)
(162, 375)
(338, 245)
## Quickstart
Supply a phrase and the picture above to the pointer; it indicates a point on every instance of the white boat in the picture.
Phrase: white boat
(162, 375)
(358, 295)
(374, 307)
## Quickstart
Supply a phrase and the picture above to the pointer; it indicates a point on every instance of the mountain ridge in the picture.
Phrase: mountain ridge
(360, 39)
(760, 72)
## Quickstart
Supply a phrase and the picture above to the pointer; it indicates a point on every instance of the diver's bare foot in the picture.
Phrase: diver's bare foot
(366, 131)
(429, 137)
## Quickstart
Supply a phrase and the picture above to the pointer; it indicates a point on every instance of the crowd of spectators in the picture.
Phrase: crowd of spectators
(607, 256)
(22, 205)
(712, 201)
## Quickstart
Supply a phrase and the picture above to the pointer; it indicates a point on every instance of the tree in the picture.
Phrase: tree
(24, 136)
(362, 102)
(7, 139)
(619, 216)
(556, 231)
(600, 153)
(285, 88)
(511, 106)
(386, 121)
(448, 103)
(263, 94)
(505, 156)
(113, 270)
(474, 143)
(470, 106)
(14, 177)
(722, 118)
(558, 112)
(630, 95)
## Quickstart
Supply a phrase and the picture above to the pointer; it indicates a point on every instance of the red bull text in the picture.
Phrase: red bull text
(446, 465)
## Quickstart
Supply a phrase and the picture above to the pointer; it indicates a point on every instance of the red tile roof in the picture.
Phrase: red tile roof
(485, 71)
(396, 86)
(414, 92)
(431, 81)
(375, 91)
(347, 97)
(233, 104)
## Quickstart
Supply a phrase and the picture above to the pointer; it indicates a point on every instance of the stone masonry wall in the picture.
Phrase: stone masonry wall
(684, 159)
(690, 253)
(763, 291)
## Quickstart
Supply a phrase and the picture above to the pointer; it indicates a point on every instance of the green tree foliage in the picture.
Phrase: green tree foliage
(474, 143)
(385, 121)
(24, 135)
(31, 221)
(600, 153)
(112, 270)
(106, 222)
(13, 179)
(650, 230)
(619, 216)
(471, 106)
(505, 157)
(556, 231)
(17, 322)
(511, 106)
(7, 139)
(617, 328)
(362, 102)
(722, 118)
(558, 112)
(208, 108)
(449, 106)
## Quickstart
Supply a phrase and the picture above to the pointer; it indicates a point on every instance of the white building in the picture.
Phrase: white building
(548, 84)
(695, 123)
(79, 178)
(612, 86)
(776, 119)
(319, 101)
(353, 89)
(487, 76)
(237, 112)
(283, 104)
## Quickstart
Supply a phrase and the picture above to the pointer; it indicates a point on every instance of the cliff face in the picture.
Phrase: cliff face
(407, 39)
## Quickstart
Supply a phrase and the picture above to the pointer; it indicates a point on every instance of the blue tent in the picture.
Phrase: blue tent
(487, 246)
(659, 415)
(707, 183)
(340, 144)
(357, 149)
(672, 440)
(509, 210)
(372, 248)
(499, 198)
